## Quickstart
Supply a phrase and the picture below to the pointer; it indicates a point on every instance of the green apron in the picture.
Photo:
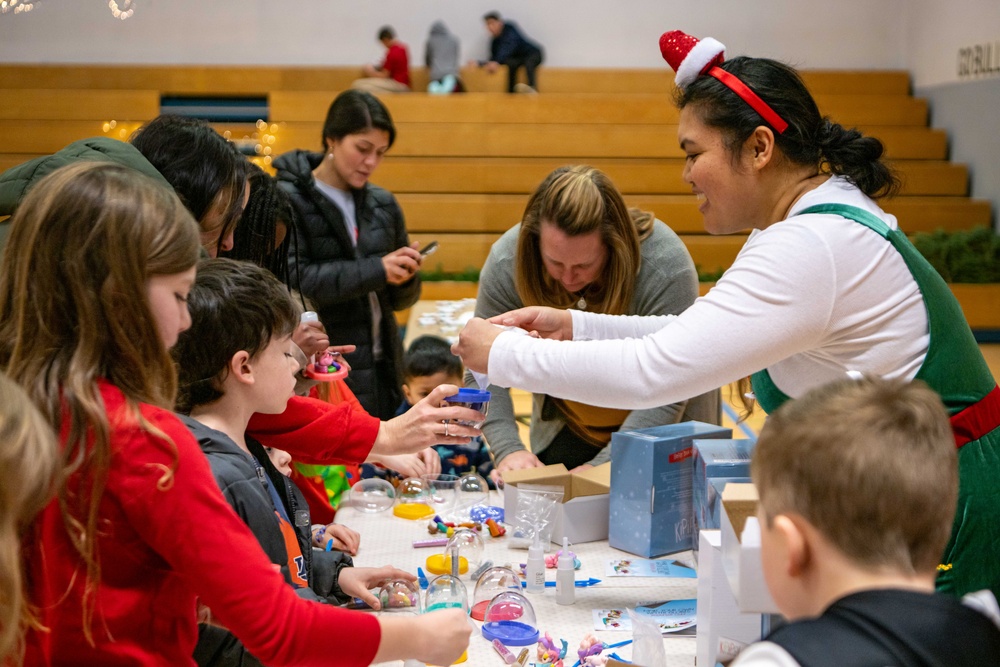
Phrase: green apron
(954, 367)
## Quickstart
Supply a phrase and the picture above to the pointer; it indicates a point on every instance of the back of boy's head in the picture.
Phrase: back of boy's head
(871, 464)
(234, 306)
(429, 355)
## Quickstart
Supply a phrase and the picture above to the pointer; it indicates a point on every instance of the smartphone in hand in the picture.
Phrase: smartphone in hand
(429, 249)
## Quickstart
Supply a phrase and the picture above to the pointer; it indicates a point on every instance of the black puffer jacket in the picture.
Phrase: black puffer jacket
(337, 277)
(244, 488)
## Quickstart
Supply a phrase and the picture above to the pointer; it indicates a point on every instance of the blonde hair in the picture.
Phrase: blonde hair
(871, 464)
(581, 200)
(29, 461)
(74, 310)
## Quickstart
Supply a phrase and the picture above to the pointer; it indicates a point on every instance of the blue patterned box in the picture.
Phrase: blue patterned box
(717, 460)
(651, 474)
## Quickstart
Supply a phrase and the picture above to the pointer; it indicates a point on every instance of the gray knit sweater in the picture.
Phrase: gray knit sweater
(667, 284)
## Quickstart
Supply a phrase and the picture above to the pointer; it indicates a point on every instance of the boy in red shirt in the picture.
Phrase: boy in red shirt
(393, 75)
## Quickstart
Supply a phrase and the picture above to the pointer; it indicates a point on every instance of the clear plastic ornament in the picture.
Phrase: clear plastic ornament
(491, 583)
(468, 544)
(400, 595)
(510, 618)
(446, 592)
(372, 495)
(413, 499)
(471, 490)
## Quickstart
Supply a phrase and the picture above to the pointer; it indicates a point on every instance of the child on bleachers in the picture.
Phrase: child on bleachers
(427, 363)
(140, 532)
(858, 483)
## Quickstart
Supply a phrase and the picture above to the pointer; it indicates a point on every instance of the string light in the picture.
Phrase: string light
(16, 6)
(122, 10)
(120, 130)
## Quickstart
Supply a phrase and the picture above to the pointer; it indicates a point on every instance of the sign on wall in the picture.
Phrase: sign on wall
(979, 60)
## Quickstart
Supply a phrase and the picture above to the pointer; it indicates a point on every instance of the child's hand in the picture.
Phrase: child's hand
(344, 539)
(431, 459)
(356, 581)
(409, 465)
(446, 634)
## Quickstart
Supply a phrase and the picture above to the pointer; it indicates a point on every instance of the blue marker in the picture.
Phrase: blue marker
(579, 583)
(421, 579)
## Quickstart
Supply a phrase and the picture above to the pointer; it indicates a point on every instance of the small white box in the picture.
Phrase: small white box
(720, 621)
(583, 516)
(741, 549)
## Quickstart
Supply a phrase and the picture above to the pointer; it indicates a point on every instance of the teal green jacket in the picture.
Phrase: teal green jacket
(16, 181)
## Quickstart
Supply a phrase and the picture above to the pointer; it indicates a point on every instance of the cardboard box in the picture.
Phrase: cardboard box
(651, 474)
(741, 549)
(716, 462)
(584, 513)
(722, 627)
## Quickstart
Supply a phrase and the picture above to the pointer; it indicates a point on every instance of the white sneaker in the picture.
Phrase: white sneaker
(524, 89)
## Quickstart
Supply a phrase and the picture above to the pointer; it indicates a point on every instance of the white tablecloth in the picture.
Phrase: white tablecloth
(386, 539)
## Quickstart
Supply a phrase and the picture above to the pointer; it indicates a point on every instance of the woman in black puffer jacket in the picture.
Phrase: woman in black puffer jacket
(353, 257)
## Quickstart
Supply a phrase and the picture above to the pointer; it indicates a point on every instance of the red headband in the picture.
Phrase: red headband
(733, 83)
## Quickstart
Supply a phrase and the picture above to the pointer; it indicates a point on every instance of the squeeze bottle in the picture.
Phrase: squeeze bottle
(565, 574)
(534, 571)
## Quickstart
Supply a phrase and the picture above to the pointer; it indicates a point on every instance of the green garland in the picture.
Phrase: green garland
(971, 256)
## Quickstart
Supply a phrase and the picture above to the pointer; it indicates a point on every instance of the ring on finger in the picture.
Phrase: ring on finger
(446, 434)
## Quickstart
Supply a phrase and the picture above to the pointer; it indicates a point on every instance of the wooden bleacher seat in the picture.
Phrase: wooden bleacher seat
(463, 165)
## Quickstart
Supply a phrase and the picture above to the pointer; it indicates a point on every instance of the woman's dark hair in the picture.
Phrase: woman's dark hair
(355, 111)
(429, 355)
(810, 138)
(254, 239)
(234, 306)
(198, 163)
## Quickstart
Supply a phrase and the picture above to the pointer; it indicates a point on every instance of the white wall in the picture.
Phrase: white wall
(937, 31)
(575, 33)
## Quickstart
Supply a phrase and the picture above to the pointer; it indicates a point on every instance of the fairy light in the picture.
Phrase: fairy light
(122, 10)
(16, 6)
(120, 130)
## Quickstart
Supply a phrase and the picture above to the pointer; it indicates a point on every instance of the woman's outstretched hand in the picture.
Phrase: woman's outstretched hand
(545, 322)
(474, 344)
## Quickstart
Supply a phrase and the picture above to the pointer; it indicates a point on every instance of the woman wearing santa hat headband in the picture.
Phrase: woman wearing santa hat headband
(825, 285)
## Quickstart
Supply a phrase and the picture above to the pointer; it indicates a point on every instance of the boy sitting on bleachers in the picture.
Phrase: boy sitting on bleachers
(858, 482)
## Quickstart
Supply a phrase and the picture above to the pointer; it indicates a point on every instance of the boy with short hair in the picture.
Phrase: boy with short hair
(393, 74)
(236, 360)
(427, 363)
(858, 482)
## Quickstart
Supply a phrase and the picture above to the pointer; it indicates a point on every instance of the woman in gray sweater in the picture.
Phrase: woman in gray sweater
(579, 246)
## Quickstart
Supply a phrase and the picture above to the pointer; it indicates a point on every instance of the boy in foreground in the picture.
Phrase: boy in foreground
(858, 482)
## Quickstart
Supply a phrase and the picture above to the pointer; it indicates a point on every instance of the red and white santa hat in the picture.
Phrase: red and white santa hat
(689, 56)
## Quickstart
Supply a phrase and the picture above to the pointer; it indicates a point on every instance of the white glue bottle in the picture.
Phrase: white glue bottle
(565, 575)
(534, 571)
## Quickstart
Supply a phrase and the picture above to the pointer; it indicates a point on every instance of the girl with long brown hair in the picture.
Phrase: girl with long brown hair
(93, 292)
(28, 465)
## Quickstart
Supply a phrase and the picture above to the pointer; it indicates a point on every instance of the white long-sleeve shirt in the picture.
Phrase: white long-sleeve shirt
(809, 298)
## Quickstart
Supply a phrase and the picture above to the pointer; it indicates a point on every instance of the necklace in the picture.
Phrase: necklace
(582, 304)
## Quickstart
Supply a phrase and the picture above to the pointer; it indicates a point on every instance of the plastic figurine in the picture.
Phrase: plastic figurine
(549, 654)
(326, 364)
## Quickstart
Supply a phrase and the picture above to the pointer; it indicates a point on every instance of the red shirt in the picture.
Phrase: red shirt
(313, 431)
(397, 63)
(160, 549)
